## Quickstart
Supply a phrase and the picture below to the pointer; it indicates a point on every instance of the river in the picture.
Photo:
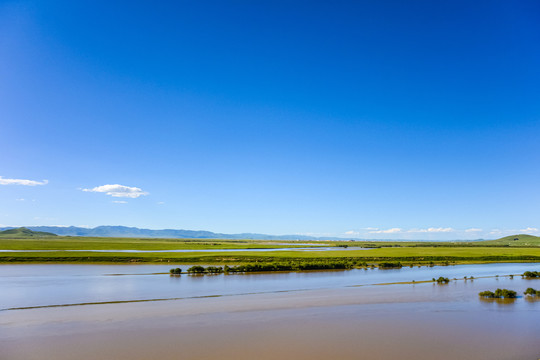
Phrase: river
(310, 315)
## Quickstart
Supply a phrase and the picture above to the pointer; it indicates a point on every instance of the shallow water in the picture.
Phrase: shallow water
(25, 285)
(333, 319)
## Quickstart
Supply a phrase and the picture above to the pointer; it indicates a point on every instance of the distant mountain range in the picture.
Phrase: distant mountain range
(124, 231)
(133, 232)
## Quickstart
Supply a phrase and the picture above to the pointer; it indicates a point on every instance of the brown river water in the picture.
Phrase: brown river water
(317, 315)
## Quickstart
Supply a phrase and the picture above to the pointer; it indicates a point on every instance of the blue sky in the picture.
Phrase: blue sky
(381, 119)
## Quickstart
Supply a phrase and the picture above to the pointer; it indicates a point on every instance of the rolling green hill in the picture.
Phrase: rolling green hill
(515, 240)
(23, 232)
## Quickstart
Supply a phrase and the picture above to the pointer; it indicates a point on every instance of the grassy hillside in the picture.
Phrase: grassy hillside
(23, 232)
(515, 240)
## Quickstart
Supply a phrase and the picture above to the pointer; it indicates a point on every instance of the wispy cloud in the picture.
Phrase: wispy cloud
(432, 230)
(119, 202)
(117, 190)
(473, 230)
(529, 230)
(24, 182)
(387, 231)
(412, 231)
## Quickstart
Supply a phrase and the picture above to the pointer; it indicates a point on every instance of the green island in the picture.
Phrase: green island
(23, 246)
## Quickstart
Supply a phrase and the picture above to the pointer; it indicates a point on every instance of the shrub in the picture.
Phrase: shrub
(532, 292)
(214, 269)
(531, 274)
(176, 271)
(442, 280)
(197, 269)
(505, 293)
(389, 265)
(499, 294)
(487, 294)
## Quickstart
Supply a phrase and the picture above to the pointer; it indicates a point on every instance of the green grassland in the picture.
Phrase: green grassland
(97, 243)
(408, 253)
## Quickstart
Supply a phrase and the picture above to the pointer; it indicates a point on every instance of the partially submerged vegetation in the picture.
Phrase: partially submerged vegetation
(532, 292)
(531, 274)
(499, 294)
(441, 280)
(274, 266)
(389, 265)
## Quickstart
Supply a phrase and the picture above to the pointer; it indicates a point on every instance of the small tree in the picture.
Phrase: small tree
(197, 269)
(532, 292)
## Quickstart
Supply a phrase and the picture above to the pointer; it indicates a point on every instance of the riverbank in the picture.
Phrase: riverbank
(408, 256)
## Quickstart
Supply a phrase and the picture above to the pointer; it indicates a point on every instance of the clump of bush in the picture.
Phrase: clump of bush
(441, 280)
(274, 266)
(390, 265)
(197, 269)
(532, 292)
(292, 266)
(176, 271)
(531, 274)
(499, 294)
(214, 269)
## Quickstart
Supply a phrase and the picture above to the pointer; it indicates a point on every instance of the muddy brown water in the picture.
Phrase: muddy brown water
(320, 315)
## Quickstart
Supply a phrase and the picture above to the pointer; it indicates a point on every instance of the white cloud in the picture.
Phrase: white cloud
(21, 199)
(471, 230)
(431, 230)
(388, 231)
(529, 230)
(412, 231)
(24, 182)
(352, 232)
(118, 191)
(119, 202)
(161, 202)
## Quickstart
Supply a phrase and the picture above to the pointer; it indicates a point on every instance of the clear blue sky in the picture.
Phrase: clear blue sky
(375, 119)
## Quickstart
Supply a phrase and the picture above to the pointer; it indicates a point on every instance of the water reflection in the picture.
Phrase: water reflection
(532, 299)
(498, 301)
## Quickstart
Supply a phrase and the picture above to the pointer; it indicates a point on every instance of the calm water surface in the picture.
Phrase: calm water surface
(27, 285)
(264, 318)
